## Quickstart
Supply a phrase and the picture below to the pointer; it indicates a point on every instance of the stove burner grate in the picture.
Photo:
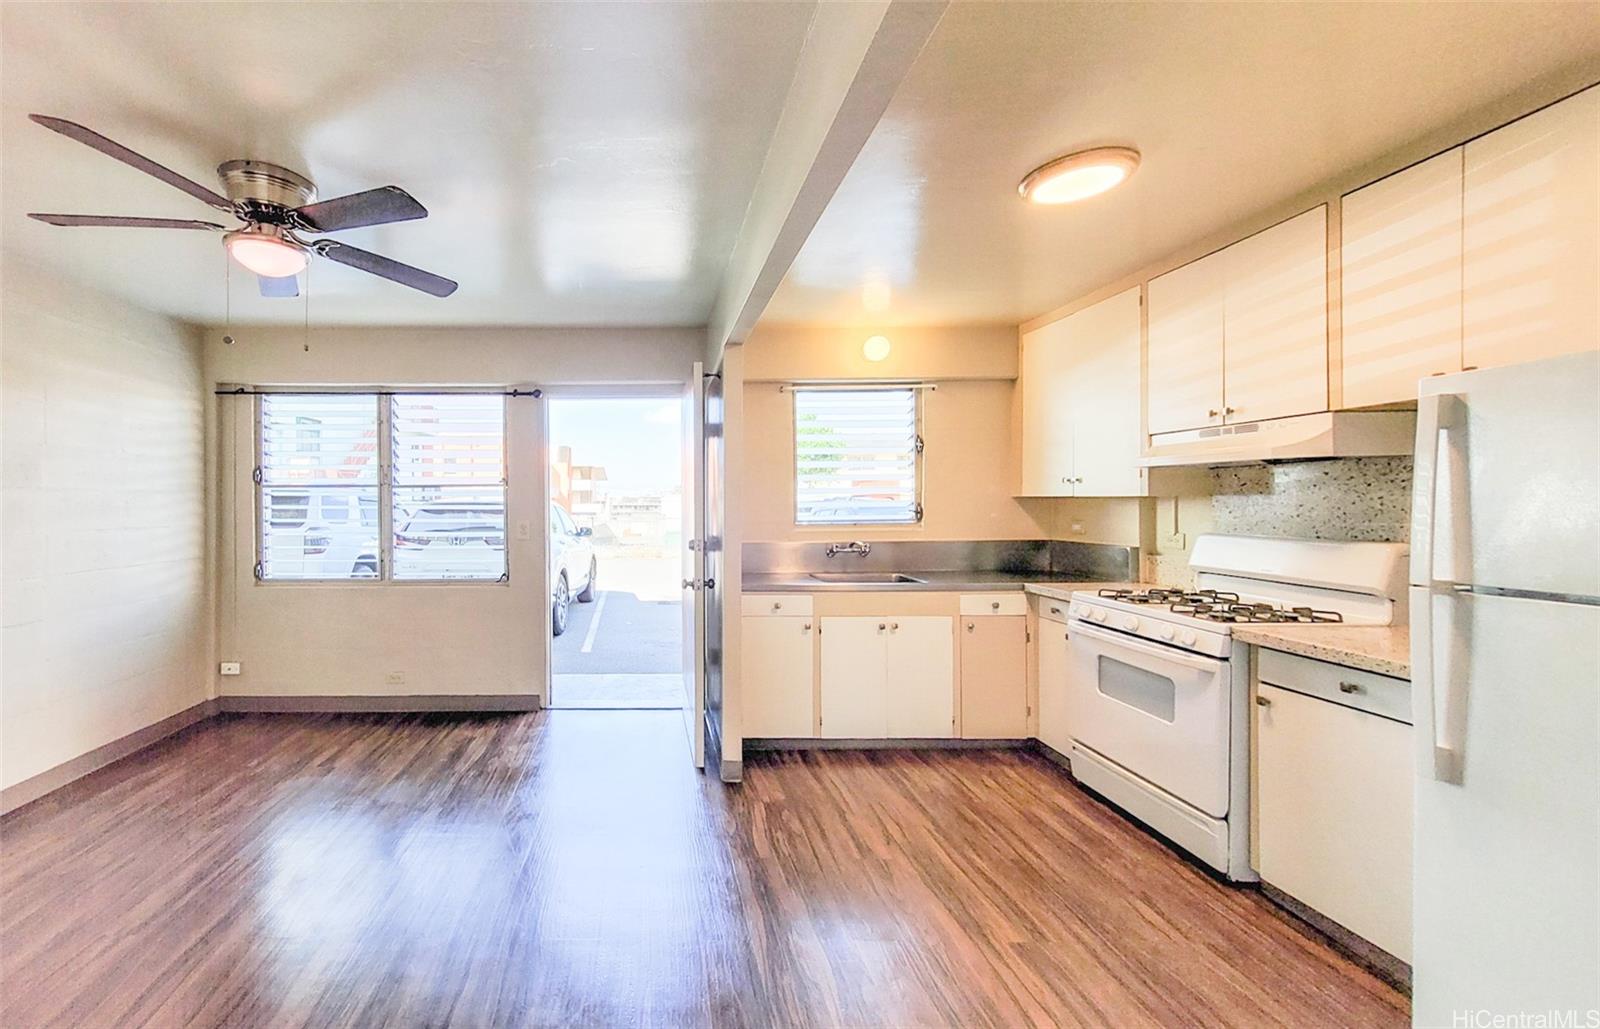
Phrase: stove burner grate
(1167, 597)
(1256, 613)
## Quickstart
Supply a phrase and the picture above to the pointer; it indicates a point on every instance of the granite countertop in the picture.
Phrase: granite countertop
(1385, 649)
(932, 582)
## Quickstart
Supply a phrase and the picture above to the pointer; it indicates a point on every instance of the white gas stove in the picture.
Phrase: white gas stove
(1158, 689)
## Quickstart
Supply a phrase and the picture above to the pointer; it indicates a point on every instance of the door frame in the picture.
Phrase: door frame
(579, 391)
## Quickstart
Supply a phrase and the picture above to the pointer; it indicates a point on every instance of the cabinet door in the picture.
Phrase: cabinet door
(1053, 731)
(1275, 321)
(854, 687)
(1531, 236)
(1400, 260)
(1333, 794)
(776, 680)
(1046, 417)
(1102, 395)
(1185, 358)
(994, 677)
(921, 677)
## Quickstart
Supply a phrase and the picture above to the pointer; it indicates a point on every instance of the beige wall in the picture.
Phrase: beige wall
(102, 540)
(348, 639)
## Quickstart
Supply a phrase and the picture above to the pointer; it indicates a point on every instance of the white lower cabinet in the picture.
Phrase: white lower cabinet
(1333, 807)
(1053, 730)
(777, 677)
(888, 677)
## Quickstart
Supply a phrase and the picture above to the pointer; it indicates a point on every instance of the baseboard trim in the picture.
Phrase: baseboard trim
(422, 703)
(1051, 754)
(51, 779)
(820, 743)
(1368, 955)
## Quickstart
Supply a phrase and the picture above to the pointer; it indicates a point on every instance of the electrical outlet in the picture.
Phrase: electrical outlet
(1077, 528)
(395, 678)
(230, 668)
(1173, 541)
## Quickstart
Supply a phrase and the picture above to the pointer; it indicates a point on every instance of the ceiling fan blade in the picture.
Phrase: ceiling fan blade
(119, 222)
(287, 286)
(111, 148)
(373, 207)
(367, 261)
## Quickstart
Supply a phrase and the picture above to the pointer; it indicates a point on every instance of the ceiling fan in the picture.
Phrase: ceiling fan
(276, 206)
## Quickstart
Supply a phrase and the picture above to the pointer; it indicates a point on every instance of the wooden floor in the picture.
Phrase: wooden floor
(568, 868)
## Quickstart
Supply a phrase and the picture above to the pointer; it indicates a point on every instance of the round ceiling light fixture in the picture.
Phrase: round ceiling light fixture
(876, 348)
(1079, 176)
(265, 252)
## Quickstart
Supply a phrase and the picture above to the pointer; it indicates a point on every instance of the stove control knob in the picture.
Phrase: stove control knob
(1130, 623)
(1098, 616)
(1167, 632)
(1190, 639)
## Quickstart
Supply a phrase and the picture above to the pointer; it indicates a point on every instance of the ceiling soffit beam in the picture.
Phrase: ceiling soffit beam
(854, 58)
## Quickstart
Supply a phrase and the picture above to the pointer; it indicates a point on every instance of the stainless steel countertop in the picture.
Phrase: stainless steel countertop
(934, 582)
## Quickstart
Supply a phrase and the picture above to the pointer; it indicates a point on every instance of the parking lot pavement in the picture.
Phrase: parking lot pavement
(634, 636)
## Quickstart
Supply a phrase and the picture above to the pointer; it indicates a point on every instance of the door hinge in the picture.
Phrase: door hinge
(260, 572)
(920, 445)
(255, 475)
(917, 510)
(1027, 635)
(697, 546)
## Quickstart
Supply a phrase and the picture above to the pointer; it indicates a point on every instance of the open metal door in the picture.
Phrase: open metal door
(695, 583)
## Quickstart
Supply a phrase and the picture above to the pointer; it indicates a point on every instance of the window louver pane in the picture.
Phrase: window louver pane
(855, 456)
(319, 487)
(449, 486)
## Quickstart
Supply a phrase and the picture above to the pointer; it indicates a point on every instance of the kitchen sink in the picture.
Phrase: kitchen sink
(865, 578)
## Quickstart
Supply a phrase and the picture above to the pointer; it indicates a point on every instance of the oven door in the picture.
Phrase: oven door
(1159, 712)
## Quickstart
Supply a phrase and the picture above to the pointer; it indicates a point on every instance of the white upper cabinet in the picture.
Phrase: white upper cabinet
(1401, 272)
(1275, 321)
(1186, 346)
(1046, 419)
(1242, 335)
(1531, 235)
(1080, 403)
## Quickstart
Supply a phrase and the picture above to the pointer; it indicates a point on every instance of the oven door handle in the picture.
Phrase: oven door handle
(1168, 654)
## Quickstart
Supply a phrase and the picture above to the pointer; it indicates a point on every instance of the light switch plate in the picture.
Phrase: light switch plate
(229, 668)
(395, 678)
(1172, 542)
(524, 530)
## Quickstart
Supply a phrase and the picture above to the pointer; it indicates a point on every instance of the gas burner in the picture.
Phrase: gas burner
(1255, 613)
(1168, 596)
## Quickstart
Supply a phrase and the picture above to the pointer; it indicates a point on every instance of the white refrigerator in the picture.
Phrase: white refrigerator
(1505, 664)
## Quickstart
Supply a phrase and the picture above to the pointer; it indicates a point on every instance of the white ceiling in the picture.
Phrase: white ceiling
(1236, 108)
(582, 163)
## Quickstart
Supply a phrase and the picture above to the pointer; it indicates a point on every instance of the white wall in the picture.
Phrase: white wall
(102, 537)
(330, 639)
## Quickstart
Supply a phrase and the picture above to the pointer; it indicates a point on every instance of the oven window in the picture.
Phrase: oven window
(1138, 688)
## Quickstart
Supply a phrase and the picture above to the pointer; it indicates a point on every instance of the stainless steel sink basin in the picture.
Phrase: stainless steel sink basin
(864, 578)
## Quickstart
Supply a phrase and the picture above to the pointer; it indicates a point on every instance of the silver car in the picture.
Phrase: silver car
(572, 567)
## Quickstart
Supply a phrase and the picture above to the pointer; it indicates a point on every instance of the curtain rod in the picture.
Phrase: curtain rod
(244, 391)
(854, 387)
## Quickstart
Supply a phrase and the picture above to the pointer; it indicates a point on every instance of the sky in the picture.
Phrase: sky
(637, 440)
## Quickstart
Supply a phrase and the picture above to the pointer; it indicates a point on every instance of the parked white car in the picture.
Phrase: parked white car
(572, 567)
(321, 533)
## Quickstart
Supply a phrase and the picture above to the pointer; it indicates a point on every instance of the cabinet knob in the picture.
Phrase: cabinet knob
(806, 627)
(894, 626)
(1230, 410)
(1263, 702)
(1349, 687)
(1212, 413)
(969, 627)
(777, 607)
(995, 605)
(881, 627)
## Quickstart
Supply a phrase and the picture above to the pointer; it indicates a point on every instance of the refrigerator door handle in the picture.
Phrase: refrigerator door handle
(1447, 413)
(1444, 730)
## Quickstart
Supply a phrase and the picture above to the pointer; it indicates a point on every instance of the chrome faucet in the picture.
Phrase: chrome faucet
(854, 547)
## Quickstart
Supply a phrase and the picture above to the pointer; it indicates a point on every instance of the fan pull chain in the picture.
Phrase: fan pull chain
(305, 341)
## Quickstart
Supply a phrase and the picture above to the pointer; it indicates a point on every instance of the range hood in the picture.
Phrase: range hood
(1300, 438)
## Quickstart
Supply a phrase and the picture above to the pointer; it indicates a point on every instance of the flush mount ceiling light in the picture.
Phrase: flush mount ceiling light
(1079, 176)
(265, 253)
(876, 348)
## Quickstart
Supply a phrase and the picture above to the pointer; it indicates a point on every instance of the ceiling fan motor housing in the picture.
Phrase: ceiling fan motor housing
(266, 188)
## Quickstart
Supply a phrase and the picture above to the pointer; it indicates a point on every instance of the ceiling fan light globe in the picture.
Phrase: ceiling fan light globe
(266, 255)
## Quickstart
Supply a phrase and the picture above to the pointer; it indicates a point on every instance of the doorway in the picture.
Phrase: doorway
(616, 538)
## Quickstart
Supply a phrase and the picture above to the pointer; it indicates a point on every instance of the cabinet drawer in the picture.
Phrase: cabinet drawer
(774, 605)
(994, 604)
(1350, 687)
(1052, 610)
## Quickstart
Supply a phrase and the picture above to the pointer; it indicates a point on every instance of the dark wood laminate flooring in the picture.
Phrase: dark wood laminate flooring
(569, 868)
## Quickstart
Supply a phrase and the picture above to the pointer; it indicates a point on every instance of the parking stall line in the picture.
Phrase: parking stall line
(594, 623)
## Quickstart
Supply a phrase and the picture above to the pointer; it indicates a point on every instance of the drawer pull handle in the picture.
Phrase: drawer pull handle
(1263, 702)
(1350, 687)
(1055, 610)
(995, 605)
(806, 627)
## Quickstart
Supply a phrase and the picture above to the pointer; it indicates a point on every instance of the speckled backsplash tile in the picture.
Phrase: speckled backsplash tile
(1357, 498)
